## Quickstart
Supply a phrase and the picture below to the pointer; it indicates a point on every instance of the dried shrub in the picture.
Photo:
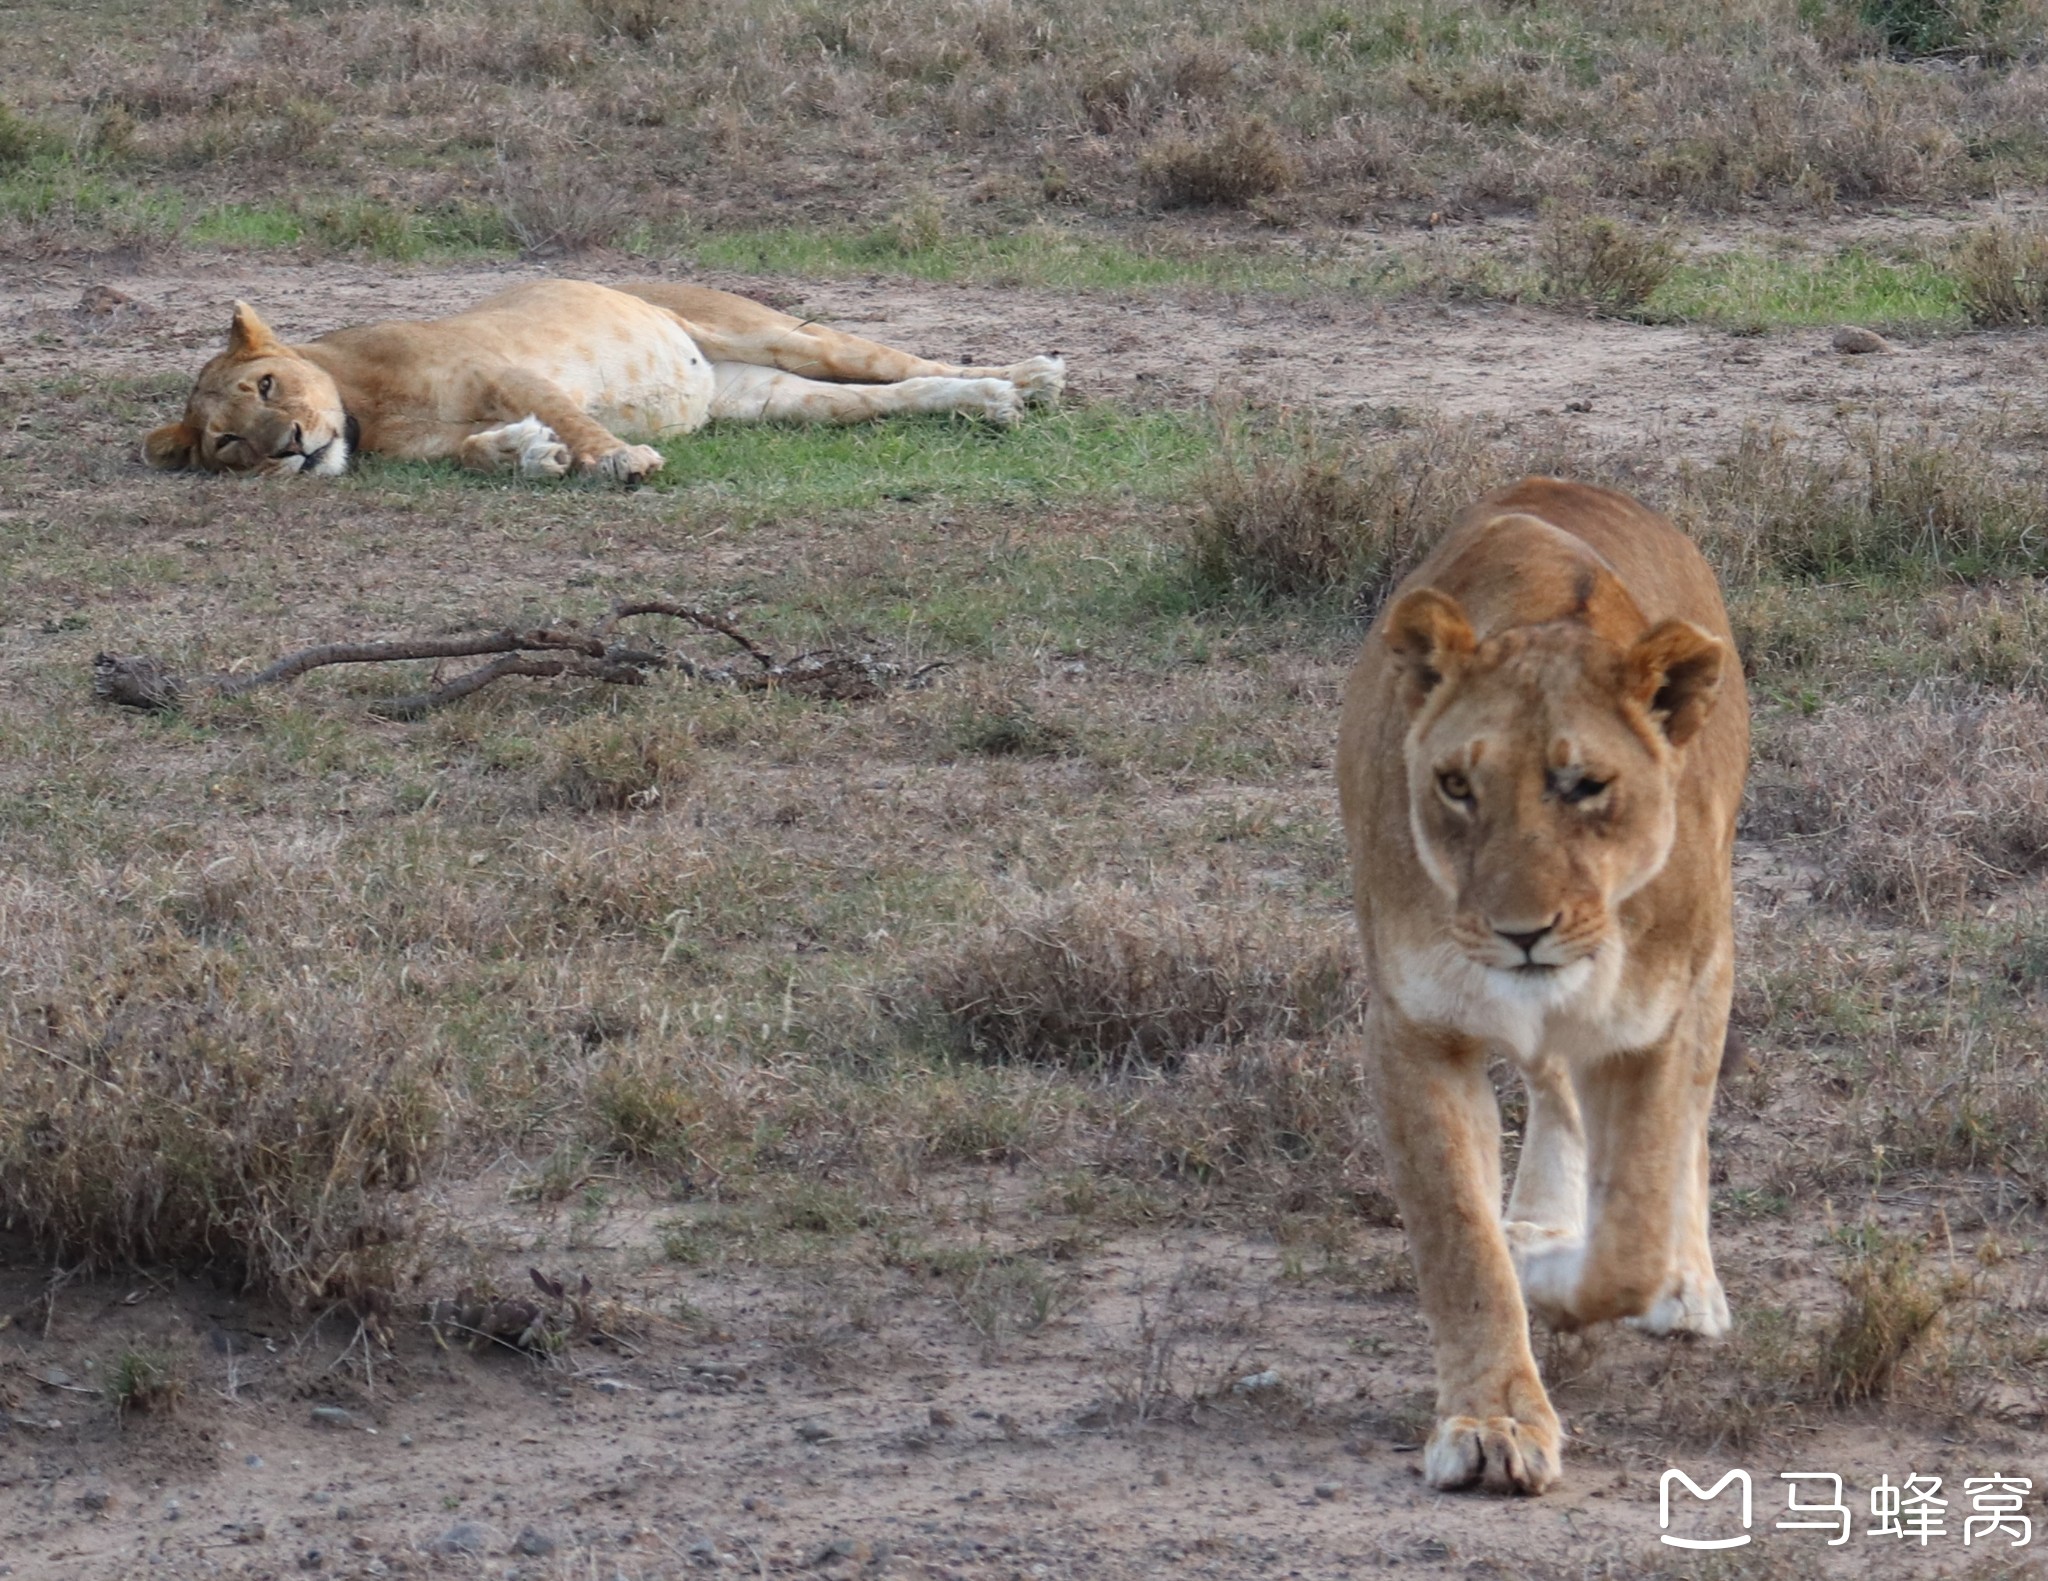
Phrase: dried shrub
(554, 208)
(1606, 262)
(1921, 503)
(1920, 808)
(1225, 167)
(21, 140)
(1890, 1303)
(1104, 974)
(163, 1107)
(1931, 27)
(2002, 276)
(1295, 514)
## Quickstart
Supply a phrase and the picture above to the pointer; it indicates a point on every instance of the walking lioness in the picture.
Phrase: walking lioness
(1542, 751)
(536, 379)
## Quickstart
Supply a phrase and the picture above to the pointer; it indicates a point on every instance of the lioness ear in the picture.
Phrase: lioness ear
(170, 447)
(1674, 671)
(249, 336)
(1428, 633)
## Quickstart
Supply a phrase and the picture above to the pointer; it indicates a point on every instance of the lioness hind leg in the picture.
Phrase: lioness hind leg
(748, 393)
(1495, 1427)
(1692, 1300)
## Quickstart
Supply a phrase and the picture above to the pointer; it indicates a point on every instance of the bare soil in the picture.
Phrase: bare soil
(857, 1420)
(1667, 391)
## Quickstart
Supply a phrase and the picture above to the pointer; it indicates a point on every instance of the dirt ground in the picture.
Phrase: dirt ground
(1201, 1401)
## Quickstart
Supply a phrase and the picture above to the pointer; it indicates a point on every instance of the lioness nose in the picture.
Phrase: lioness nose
(1527, 942)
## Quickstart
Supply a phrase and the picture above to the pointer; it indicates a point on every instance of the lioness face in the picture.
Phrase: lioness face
(258, 408)
(1542, 780)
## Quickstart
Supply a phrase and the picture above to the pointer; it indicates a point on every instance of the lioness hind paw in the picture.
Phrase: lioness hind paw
(1039, 379)
(1691, 1305)
(999, 402)
(1498, 1454)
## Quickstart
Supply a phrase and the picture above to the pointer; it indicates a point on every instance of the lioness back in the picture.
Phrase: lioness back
(1542, 752)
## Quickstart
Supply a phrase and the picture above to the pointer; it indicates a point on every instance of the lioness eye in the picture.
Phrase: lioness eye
(1454, 786)
(265, 385)
(1581, 790)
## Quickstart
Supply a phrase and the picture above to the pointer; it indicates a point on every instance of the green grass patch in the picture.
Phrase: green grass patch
(1080, 452)
(1745, 289)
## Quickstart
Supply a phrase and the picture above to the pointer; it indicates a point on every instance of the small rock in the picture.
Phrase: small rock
(359, 1544)
(254, 1462)
(1855, 341)
(244, 1532)
(611, 1385)
(95, 1501)
(1329, 1491)
(812, 1433)
(1258, 1382)
(405, 1440)
(736, 1371)
(312, 1559)
(702, 1548)
(332, 1416)
(941, 1418)
(841, 1548)
(464, 1537)
(173, 1510)
(533, 1544)
(1578, 406)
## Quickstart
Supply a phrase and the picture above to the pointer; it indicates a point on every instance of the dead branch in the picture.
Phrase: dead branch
(140, 681)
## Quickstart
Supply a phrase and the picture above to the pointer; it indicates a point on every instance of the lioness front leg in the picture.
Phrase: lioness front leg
(1441, 1128)
(1644, 1254)
(519, 397)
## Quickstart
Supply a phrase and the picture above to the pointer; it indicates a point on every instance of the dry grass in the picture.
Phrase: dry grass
(1890, 1304)
(769, 111)
(1107, 975)
(1303, 513)
(2002, 274)
(1922, 808)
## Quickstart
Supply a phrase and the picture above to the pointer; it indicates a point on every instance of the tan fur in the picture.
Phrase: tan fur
(1560, 639)
(537, 379)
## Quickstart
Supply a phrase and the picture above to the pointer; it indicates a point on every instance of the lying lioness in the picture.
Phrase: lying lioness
(1542, 751)
(537, 378)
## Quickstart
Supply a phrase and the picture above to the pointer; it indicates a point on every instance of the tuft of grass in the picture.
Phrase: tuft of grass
(2001, 274)
(1294, 514)
(1890, 1303)
(145, 1381)
(628, 761)
(1745, 289)
(1105, 975)
(1604, 262)
(556, 208)
(1227, 166)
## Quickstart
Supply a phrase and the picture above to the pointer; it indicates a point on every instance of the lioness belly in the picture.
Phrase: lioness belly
(639, 384)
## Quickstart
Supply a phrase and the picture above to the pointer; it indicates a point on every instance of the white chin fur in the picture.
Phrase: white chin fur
(1548, 989)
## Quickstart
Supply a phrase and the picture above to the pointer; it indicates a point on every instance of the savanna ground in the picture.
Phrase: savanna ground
(950, 1096)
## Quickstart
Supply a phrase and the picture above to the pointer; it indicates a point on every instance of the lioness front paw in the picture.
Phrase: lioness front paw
(1691, 1304)
(630, 464)
(1500, 1454)
(1039, 379)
